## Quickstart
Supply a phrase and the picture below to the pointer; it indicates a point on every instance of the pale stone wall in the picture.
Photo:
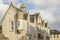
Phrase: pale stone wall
(31, 31)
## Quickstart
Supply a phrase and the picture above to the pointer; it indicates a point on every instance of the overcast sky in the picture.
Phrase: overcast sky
(49, 9)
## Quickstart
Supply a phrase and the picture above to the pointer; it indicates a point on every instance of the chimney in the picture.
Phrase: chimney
(23, 7)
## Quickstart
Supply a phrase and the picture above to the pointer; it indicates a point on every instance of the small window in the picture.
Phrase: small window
(29, 37)
(12, 25)
(54, 36)
(57, 36)
(18, 23)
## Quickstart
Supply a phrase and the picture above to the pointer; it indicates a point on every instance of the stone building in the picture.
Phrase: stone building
(17, 24)
(2, 37)
(54, 35)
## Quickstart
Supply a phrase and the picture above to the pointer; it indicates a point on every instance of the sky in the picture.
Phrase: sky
(49, 9)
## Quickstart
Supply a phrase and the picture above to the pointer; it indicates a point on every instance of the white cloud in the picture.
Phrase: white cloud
(54, 2)
(36, 2)
(44, 2)
(3, 9)
(0, 1)
(13, 1)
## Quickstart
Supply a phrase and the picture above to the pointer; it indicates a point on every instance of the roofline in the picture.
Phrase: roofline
(7, 11)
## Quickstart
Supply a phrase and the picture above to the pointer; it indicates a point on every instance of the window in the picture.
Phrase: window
(18, 23)
(57, 36)
(54, 36)
(12, 25)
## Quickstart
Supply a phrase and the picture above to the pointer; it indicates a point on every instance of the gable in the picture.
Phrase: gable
(10, 7)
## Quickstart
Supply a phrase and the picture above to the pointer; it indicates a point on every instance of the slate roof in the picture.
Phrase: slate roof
(54, 32)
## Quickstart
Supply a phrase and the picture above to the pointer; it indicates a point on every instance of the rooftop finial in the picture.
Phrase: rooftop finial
(22, 6)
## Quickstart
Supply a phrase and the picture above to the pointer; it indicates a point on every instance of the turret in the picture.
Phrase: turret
(23, 7)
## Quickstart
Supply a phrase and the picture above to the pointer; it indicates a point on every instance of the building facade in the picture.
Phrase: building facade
(17, 24)
(54, 35)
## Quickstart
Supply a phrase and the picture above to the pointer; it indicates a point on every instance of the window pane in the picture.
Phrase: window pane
(12, 25)
(54, 36)
(57, 36)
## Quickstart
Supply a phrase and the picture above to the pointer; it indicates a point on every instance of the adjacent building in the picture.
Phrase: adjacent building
(17, 24)
(54, 35)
